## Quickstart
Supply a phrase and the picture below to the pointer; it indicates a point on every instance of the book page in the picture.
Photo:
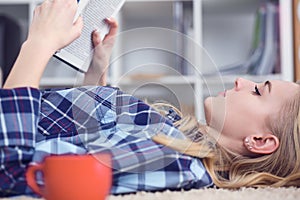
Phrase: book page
(94, 12)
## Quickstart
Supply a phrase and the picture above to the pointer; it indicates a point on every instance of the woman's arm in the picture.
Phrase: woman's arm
(52, 28)
(19, 113)
(97, 72)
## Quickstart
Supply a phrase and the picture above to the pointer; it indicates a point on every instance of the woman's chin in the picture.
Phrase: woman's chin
(207, 110)
(214, 108)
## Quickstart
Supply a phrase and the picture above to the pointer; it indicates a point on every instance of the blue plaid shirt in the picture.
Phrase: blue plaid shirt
(91, 119)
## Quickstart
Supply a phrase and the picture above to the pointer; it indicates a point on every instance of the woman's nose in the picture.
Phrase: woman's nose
(241, 83)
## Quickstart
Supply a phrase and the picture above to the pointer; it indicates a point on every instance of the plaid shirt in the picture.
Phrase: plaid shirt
(94, 120)
(19, 111)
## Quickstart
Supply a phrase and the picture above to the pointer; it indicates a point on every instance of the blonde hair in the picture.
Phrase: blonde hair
(231, 170)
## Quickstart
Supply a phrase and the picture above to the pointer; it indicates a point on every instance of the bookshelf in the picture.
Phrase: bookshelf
(151, 50)
(224, 28)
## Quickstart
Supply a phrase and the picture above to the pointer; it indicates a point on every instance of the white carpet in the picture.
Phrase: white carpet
(208, 194)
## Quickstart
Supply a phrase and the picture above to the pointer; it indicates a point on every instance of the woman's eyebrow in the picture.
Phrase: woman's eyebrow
(269, 84)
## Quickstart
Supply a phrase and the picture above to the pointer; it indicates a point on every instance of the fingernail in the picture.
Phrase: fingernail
(97, 30)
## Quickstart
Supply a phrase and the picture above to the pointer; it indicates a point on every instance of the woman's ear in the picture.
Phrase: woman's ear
(265, 144)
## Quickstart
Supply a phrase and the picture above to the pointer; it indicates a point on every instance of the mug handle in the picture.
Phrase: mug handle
(31, 178)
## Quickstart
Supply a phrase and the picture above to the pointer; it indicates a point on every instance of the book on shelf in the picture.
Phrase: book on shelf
(79, 53)
(270, 54)
(264, 56)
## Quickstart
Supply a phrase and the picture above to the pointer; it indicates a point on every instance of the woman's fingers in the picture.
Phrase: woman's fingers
(53, 23)
(96, 37)
(112, 31)
(78, 26)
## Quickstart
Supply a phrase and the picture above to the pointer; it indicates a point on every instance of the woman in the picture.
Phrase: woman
(242, 146)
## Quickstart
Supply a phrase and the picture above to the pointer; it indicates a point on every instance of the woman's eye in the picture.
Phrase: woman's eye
(256, 91)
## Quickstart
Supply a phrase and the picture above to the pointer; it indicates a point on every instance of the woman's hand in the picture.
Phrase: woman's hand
(97, 72)
(52, 28)
(53, 24)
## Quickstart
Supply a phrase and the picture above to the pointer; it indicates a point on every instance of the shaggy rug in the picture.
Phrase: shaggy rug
(207, 194)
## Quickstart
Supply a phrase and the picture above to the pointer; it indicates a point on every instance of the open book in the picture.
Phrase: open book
(79, 53)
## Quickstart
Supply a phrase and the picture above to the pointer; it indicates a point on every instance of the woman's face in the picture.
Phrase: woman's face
(244, 110)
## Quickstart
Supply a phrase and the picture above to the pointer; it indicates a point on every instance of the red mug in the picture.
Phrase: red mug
(72, 177)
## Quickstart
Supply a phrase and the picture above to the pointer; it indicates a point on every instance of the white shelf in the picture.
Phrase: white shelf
(16, 1)
(58, 81)
(169, 80)
(190, 80)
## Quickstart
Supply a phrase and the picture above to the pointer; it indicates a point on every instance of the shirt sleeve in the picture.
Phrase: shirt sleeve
(19, 111)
